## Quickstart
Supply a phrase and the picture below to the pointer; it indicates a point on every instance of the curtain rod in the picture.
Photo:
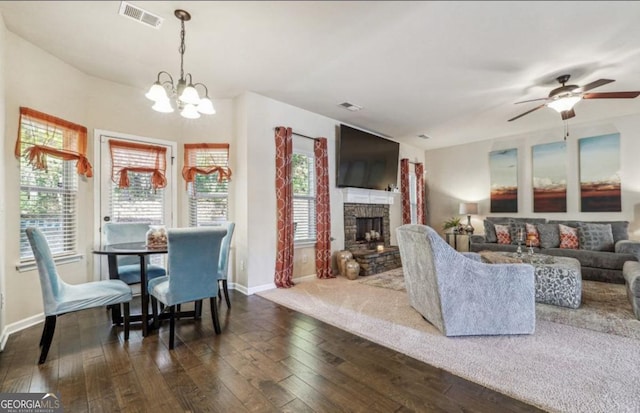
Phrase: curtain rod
(301, 135)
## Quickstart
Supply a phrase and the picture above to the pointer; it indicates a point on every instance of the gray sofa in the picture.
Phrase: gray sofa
(603, 265)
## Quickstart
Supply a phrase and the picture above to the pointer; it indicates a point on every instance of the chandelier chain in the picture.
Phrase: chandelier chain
(182, 49)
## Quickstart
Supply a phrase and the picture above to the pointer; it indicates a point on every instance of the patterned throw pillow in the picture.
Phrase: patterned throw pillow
(568, 237)
(533, 237)
(502, 233)
(549, 235)
(595, 237)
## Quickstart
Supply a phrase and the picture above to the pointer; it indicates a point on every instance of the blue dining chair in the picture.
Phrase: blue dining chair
(128, 266)
(194, 259)
(223, 271)
(60, 298)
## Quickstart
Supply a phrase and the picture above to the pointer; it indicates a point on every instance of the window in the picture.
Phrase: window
(47, 196)
(208, 193)
(413, 198)
(304, 196)
(139, 199)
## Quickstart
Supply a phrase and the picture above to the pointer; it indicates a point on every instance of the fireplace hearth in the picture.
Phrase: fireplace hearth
(367, 235)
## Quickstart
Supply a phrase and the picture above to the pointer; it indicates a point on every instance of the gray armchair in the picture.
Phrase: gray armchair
(461, 295)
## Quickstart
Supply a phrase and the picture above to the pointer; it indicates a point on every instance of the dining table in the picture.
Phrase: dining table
(112, 251)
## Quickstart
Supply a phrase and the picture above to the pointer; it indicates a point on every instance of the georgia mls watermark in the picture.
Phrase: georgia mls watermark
(30, 403)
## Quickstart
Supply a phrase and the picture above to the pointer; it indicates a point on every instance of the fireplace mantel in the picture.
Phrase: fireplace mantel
(367, 196)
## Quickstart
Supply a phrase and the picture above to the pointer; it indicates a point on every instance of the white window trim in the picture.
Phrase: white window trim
(172, 168)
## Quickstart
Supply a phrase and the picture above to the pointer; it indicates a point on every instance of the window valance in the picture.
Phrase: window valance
(47, 135)
(136, 157)
(206, 159)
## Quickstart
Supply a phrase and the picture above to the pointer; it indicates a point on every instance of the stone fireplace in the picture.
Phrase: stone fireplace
(367, 235)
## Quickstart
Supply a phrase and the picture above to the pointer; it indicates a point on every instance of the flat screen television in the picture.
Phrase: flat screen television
(366, 160)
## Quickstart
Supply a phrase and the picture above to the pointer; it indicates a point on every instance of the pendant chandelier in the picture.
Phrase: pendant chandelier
(186, 97)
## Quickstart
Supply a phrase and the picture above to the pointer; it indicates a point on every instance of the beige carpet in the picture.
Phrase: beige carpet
(605, 307)
(559, 368)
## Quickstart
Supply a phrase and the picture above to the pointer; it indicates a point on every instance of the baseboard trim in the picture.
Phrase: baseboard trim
(18, 326)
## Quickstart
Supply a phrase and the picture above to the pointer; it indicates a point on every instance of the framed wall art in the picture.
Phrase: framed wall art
(503, 169)
(600, 186)
(549, 177)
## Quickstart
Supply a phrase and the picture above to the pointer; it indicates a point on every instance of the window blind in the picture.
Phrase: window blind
(48, 197)
(140, 201)
(304, 199)
(208, 195)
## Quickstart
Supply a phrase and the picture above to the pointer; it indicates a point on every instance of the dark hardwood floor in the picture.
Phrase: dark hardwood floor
(267, 359)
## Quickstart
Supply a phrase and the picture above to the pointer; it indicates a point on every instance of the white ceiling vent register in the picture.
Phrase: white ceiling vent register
(142, 16)
(350, 106)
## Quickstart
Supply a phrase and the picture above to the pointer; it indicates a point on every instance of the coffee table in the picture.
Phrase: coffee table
(558, 280)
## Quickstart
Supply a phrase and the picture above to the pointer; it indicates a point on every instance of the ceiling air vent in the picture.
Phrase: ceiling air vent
(350, 106)
(140, 15)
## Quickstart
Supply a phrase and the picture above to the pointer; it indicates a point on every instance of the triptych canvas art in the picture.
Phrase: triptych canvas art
(599, 163)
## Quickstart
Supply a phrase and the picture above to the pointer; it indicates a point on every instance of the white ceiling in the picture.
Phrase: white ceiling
(450, 70)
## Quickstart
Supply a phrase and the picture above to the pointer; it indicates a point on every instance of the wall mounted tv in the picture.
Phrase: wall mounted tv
(366, 160)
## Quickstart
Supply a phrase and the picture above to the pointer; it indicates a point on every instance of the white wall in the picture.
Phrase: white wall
(257, 117)
(461, 173)
(258, 232)
(3, 215)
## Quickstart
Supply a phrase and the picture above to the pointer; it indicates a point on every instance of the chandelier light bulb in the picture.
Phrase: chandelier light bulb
(190, 112)
(565, 103)
(156, 92)
(190, 95)
(163, 106)
(206, 106)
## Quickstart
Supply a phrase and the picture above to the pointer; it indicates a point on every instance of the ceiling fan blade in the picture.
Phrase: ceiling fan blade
(611, 95)
(526, 113)
(567, 114)
(593, 85)
(532, 100)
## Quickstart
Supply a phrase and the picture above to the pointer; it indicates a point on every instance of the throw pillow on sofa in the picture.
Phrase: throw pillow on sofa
(533, 236)
(568, 237)
(490, 231)
(595, 237)
(502, 233)
(549, 235)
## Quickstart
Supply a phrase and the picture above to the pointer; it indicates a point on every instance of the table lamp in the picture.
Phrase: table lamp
(468, 209)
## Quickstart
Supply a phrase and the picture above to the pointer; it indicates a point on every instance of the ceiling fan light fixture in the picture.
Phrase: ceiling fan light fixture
(564, 103)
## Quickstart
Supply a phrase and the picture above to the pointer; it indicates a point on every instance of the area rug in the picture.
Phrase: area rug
(559, 368)
(605, 307)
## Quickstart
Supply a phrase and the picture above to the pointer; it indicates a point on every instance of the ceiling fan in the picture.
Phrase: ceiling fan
(563, 98)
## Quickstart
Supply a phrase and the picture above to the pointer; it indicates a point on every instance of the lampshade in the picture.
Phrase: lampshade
(163, 105)
(190, 112)
(206, 106)
(157, 92)
(190, 95)
(564, 104)
(468, 208)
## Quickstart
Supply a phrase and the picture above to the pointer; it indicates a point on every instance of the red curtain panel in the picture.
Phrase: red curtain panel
(420, 201)
(323, 213)
(284, 197)
(404, 190)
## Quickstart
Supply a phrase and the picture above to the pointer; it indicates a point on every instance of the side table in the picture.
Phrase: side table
(459, 241)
